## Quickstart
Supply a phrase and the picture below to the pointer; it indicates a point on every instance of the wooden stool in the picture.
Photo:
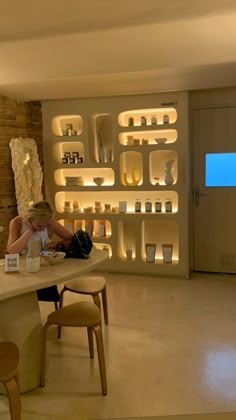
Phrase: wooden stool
(9, 360)
(81, 314)
(87, 285)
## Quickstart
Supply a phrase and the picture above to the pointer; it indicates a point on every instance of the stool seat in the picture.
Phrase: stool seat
(9, 361)
(86, 285)
(80, 314)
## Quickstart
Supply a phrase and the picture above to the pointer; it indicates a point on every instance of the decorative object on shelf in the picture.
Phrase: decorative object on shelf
(67, 207)
(144, 141)
(74, 180)
(143, 120)
(161, 140)
(165, 119)
(148, 206)
(98, 207)
(153, 120)
(130, 140)
(158, 206)
(167, 250)
(89, 225)
(130, 121)
(107, 208)
(136, 142)
(75, 206)
(156, 180)
(122, 206)
(101, 228)
(98, 181)
(138, 206)
(168, 206)
(150, 252)
(129, 253)
(169, 172)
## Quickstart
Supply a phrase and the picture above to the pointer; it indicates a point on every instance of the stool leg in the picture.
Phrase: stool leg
(96, 300)
(104, 304)
(60, 306)
(101, 357)
(14, 398)
(43, 354)
(90, 342)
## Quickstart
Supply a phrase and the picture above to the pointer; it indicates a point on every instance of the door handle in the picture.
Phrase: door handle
(197, 195)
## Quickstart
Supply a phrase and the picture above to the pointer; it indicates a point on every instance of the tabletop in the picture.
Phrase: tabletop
(17, 283)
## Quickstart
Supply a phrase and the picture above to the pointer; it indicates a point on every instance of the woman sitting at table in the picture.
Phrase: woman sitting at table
(37, 223)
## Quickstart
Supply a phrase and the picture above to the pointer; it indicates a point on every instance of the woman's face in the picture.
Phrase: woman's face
(40, 225)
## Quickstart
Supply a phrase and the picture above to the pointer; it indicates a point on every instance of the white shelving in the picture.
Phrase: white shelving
(133, 161)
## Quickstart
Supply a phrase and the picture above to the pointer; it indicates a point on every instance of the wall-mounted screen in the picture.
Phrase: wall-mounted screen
(220, 170)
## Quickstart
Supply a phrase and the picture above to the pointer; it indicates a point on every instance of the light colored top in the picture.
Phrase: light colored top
(36, 235)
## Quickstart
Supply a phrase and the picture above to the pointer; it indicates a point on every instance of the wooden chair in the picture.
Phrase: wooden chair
(81, 314)
(87, 285)
(9, 360)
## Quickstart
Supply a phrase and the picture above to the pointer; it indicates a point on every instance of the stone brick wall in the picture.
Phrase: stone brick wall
(17, 119)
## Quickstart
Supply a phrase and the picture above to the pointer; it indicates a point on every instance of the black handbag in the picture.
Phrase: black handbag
(81, 245)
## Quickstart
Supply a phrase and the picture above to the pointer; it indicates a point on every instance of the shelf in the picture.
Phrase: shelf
(86, 200)
(60, 150)
(147, 137)
(159, 233)
(117, 139)
(131, 168)
(126, 241)
(134, 117)
(97, 228)
(67, 125)
(158, 163)
(100, 138)
(84, 176)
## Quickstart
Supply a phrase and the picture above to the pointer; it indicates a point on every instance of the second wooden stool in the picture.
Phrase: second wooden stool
(87, 285)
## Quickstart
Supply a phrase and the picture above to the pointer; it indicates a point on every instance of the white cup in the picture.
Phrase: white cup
(32, 264)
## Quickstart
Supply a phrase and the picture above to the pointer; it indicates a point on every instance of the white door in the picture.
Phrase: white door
(214, 206)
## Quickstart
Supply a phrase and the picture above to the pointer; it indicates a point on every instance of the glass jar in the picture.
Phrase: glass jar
(153, 120)
(158, 206)
(143, 120)
(138, 206)
(168, 206)
(165, 119)
(148, 206)
(130, 121)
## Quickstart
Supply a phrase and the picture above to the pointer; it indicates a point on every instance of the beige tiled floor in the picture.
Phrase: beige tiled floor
(170, 349)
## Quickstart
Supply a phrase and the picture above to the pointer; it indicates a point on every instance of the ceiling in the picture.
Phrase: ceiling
(74, 48)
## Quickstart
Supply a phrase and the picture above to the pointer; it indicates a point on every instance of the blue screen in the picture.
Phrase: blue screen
(220, 170)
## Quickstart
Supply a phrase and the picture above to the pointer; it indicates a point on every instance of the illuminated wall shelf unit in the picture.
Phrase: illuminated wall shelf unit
(118, 168)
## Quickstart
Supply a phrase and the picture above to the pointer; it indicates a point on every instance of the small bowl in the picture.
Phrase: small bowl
(98, 180)
(53, 257)
(161, 140)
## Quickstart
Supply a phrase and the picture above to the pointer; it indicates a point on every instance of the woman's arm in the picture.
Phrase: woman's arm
(56, 228)
(17, 243)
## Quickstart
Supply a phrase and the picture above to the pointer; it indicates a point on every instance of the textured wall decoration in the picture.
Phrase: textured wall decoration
(27, 172)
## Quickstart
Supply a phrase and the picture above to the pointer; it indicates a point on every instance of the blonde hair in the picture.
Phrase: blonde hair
(40, 210)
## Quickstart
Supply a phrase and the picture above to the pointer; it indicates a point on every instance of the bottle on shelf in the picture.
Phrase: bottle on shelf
(168, 206)
(143, 120)
(153, 120)
(158, 206)
(165, 119)
(130, 121)
(138, 206)
(148, 206)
